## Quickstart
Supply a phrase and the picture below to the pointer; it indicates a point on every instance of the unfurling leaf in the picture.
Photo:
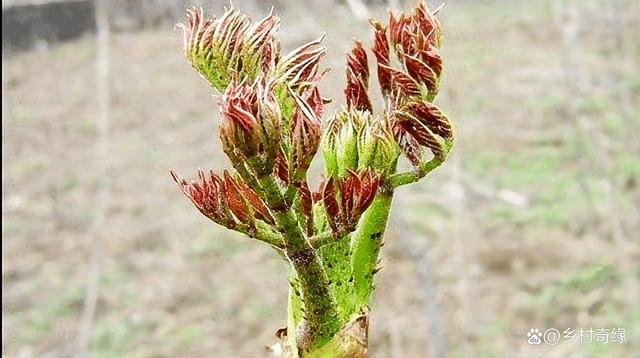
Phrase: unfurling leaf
(415, 39)
(207, 194)
(340, 141)
(301, 67)
(231, 47)
(226, 200)
(416, 122)
(305, 132)
(422, 124)
(377, 148)
(250, 129)
(345, 199)
(380, 50)
(357, 79)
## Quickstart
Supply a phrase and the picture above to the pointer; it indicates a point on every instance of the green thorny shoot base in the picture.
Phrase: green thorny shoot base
(271, 128)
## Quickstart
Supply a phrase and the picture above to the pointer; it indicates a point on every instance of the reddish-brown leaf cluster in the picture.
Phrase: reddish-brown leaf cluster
(242, 59)
(345, 199)
(239, 108)
(421, 123)
(402, 84)
(301, 67)
(380, 50)
(357, 79)
(430, 116)
(226, 200)
(251, 123)
(230, 47)
(415, 40)
(271, 111)
(306, 128)
(262, 36)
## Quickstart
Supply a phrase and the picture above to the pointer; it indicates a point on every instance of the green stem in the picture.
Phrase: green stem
(321, 318)
(412, 176)
(264, 233)
(365, 246)
(321, 239)
(294, 316)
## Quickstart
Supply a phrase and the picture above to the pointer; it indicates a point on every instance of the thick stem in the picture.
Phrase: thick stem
(352, 285)
(365, 246)
(350, 341)
(320, 315)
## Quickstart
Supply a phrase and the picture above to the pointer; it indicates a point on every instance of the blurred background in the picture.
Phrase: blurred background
(533, 223)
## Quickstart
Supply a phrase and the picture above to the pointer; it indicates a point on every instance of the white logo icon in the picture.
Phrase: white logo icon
(551, 336)
(535, 336)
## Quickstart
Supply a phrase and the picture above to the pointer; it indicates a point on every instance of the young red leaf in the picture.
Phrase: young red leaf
(357, 79)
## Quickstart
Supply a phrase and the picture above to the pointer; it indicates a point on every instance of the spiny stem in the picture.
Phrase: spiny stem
(320, 311)
(365, 246)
